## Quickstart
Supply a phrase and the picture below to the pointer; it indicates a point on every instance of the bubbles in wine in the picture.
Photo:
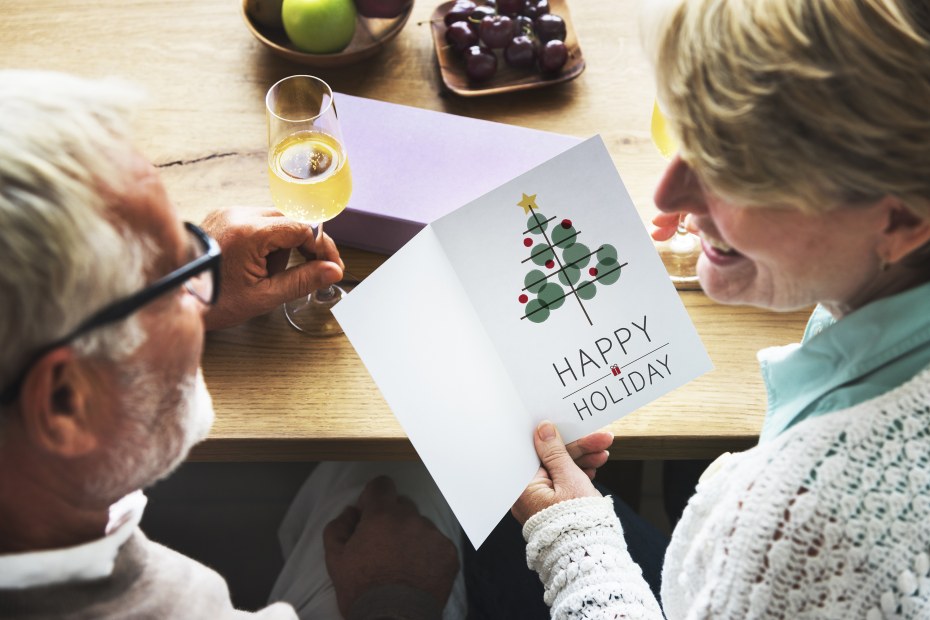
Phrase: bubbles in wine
(303, 160)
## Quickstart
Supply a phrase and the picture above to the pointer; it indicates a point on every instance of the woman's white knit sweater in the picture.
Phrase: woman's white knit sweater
(829, 520)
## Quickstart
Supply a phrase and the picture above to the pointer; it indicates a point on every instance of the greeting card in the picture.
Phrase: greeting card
(542, 299)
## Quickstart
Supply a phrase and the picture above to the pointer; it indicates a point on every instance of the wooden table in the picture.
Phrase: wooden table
(283, 396)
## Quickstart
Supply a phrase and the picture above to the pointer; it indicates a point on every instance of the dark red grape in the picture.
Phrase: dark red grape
(479, 13)
(496, 32)
(549, 28)
(535, 8)
(459, 12)
(511, 8)
(521, 53)
(480, 63)
(491, 3)
(460, 36)
(552, 56)
(524, 25)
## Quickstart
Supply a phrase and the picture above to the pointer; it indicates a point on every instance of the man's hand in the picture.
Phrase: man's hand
(384, 540)
(256, 245)
(558, 479)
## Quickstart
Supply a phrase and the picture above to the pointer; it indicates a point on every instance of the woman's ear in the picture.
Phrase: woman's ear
(54, 405)
(905, 231)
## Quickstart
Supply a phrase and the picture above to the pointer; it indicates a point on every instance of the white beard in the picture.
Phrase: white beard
(195, 415)
(163, 426)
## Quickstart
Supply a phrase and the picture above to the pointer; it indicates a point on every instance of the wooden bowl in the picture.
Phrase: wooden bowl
(371, 35)
(507, 79)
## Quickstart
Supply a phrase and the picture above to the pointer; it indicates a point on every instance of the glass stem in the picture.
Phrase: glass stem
(323, 295)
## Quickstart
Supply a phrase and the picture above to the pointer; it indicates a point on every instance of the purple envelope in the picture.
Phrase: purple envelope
(411, 166)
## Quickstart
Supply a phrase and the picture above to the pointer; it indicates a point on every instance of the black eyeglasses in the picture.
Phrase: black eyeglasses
(200, 277)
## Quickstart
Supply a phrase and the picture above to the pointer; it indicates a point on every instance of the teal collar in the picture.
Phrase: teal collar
(833, 354)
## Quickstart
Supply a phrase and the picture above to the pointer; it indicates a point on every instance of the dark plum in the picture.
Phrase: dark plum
(549, 28)
(521, 52)
(459, 12)
(552, 56)
(480, 63)
(460, 36)
(496, 32)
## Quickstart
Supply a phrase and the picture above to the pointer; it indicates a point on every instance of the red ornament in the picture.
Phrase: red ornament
(550, 264)
(566, 223)
(593, 271)
(524, 299)
(527, 242)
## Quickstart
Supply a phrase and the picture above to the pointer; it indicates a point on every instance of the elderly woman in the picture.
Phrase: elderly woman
(804, 166)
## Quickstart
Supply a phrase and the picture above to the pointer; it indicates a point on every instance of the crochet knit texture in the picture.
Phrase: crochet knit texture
(829, 520)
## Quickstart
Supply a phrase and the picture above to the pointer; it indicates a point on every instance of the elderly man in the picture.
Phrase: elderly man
(104, 297)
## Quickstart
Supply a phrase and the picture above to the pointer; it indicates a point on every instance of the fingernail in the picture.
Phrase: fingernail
(546, 430)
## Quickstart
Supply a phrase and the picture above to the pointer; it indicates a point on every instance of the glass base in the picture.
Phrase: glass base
(679, 255)
(313, 315)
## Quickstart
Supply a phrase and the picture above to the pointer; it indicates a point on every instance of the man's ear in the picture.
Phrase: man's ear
(905, 231)
(54, 405)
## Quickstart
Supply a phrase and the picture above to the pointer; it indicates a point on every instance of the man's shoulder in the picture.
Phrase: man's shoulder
(148, 580)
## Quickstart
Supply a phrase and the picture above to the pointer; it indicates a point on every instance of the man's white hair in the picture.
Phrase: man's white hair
(65, 150)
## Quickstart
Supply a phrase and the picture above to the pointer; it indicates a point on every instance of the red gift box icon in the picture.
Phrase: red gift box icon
(614, 369)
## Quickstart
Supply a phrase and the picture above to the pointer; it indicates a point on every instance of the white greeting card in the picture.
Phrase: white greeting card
(542, 299)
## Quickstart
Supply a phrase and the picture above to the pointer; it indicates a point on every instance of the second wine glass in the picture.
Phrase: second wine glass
(309, 176)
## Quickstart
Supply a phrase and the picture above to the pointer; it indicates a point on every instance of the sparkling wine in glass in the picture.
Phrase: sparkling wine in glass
(680, 253)
(309, 177)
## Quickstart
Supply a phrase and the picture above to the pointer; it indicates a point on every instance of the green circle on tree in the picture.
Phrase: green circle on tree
(569, 275)
(534, 281)
(552, 296)
(608, 273)
(537, 223)
(587, 290)
(577, 255)
(542, 254)
(607, 255)
(536, 312)
(563, 237)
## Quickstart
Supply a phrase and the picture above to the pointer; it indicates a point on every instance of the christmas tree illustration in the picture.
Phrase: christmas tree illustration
(567, 268)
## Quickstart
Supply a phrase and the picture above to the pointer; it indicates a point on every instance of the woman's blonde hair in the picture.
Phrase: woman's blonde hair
(803, 103)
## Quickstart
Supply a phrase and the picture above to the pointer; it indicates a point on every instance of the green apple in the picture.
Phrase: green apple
(319, 26)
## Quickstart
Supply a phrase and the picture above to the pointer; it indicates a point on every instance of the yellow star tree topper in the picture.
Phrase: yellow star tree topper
(528, 203)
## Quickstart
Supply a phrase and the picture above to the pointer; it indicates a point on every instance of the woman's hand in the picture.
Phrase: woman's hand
(590, 452)
(665, 226)
(558, 479)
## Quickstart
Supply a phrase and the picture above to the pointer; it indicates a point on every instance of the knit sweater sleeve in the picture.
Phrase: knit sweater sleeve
(577, 547)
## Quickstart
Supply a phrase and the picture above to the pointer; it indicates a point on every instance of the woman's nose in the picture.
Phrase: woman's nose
(679, 189)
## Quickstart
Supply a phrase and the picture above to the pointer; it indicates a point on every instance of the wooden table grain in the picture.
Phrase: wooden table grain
(280, 395)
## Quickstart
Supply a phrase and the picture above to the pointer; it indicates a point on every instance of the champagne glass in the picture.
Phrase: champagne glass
(680, 253)
(309, 176)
